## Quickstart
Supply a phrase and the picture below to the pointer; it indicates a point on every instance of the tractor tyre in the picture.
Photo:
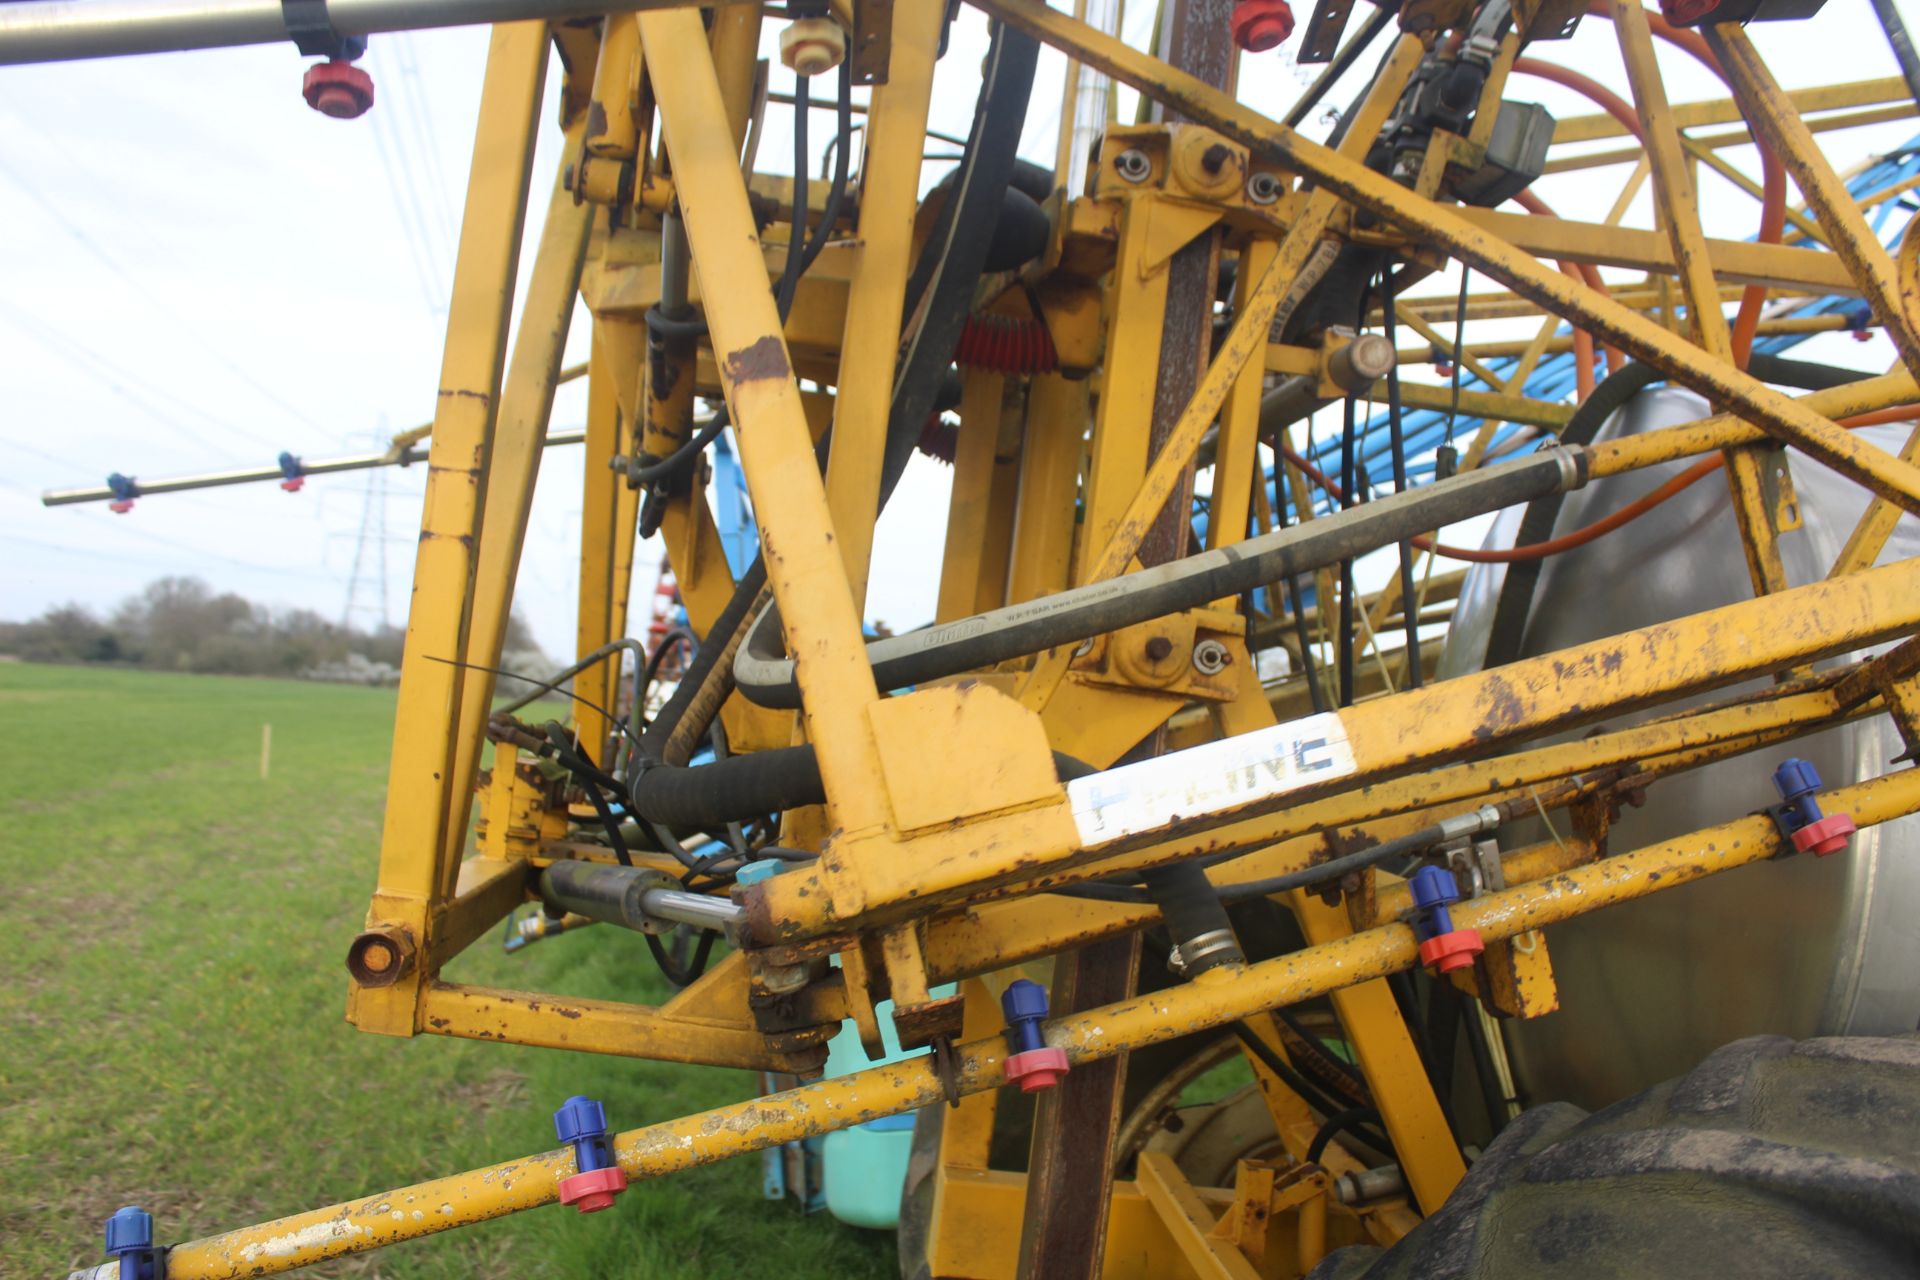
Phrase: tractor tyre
(1771, 1159)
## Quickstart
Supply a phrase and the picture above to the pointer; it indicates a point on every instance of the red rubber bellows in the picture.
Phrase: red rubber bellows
(338, 89)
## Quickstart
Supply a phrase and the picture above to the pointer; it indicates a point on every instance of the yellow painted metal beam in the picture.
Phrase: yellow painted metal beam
(426, 1208)
(1692, 115)
(804, 565)
(1450, 232)
(420, 785)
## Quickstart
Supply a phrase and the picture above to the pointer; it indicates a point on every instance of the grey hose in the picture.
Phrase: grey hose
(766, 677)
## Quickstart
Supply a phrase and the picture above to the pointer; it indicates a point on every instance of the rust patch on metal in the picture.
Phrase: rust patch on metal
(764, 360)
(1504, 710)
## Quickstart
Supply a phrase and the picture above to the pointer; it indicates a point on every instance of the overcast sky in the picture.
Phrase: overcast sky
(198, 272)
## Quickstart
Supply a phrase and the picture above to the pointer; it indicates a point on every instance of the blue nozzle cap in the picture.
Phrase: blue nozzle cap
(1795, 778)
(1433, 887)
(580, 1118)
(128, 1230)
(1024, 1001)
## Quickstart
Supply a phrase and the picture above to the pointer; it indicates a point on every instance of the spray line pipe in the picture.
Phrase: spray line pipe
(63, 31)
(401, 453)
(1221, 996)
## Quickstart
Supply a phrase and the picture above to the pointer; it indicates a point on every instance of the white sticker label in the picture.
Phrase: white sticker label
(1214, 778)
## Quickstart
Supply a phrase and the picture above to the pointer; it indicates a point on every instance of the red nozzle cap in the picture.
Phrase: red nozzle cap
(1686, 13)
(294, 485)
(1260, 25)
(1450, 951)
(1829, 835)
(1037, 1069)
(593, 1190)
(338, 89)
(120, 506)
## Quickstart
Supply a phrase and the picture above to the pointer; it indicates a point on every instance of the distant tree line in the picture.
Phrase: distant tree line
(182, 624)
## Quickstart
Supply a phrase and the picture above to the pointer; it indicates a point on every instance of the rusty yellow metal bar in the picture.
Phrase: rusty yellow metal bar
(1004, 931)
(1506, 406)
(968, 510)
(1692, 115)
(1496, 350)
(593, 1026)
(870, 338)
(1460, 236)
(1236, 992)
(1773, 116)
(1742, 261)
(1690, 439)
(519, 438)
(1236, 456)
(1679, 207)
(613, 382)
(1875, 526)
(804, 565)
(1420, 729)
(1739, 137)
(1189, 1221)
(420, 776)
(1713, 160)
(1049, 475)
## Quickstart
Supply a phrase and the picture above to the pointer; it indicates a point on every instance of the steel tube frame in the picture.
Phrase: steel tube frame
(1219, 997)
(1448, 231)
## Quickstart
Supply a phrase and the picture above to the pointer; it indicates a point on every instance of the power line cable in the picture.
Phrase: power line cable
(187, 327)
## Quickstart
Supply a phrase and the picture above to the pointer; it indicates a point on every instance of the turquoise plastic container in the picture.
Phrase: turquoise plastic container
(867, 1164)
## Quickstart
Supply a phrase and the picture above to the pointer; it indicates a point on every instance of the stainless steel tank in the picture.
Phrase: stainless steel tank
(1799, 947)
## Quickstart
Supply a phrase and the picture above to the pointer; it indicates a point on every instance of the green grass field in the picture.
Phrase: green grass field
(171, 1013)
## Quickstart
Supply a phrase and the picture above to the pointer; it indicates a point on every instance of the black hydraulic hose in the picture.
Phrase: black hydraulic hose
(1111, 604)
(1508, 633)
(1309, 1092)
(1344, 1122)
(1193, 913)
(742, 787)
(1002, 105)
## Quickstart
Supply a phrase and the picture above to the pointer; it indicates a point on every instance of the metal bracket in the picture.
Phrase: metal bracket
(311, 29)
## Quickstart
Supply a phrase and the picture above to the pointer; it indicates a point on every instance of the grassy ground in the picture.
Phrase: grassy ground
(171, 1030)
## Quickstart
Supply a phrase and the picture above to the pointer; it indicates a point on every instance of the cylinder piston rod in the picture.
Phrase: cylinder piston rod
(634, 897)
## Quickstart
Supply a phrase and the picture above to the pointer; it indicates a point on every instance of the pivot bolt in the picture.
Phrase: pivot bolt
(338, 89)
(1133, 165)
(582, 1122)
(1032, 1063)
(1260, 25)
(1210, 657)
(1798, 813)
(1263, 188)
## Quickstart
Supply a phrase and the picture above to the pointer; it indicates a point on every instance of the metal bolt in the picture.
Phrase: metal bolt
(1210, 657)
(1159, 648)
(1214, 156)
(1263, 188)
(1133, 165)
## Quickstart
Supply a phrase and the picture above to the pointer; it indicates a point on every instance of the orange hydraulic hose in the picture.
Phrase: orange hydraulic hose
(1606, 524)
(1584, 271)
(1773, 185)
